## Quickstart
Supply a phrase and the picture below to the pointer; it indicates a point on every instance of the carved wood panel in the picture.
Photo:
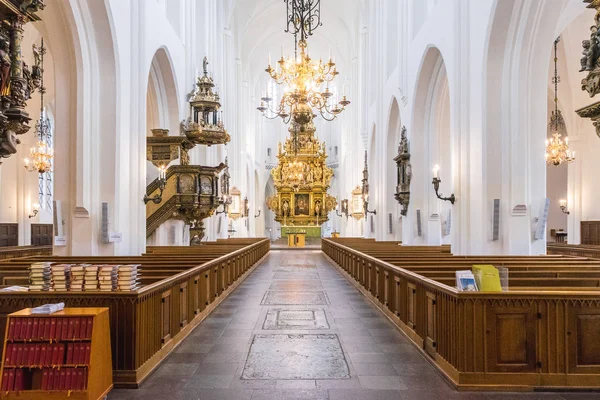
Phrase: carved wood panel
(590, 232)
(430, 326)
(183, 304)
(511, 338)
(583, 334)
(41, 234)
(9, 235)
(165, 315)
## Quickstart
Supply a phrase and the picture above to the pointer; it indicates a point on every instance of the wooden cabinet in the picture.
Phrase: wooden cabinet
(41, 234)
(9, 235)
(79, 367)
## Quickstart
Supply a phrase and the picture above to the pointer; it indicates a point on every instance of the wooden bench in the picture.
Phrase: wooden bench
(180, 288)
(542, 333)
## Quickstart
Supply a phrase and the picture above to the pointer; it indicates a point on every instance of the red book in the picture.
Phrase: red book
(44, 379)
(68, 379)
(25, 355)
(52, 331)
(19, 358)
(50, 379)
(85, 379)
(13, 356)
(61, 380)
(70, 353)
(35, 331)
(83, 328)
(88, 351)
(43, 359)
(89, 327)
(71, 328)
(31, 358)
(5, 381)
(76, 328)
(65, 328)
(54, 354)
(62, 349)
(38, 351)
(19, 381)
(11, 380)
(17, 328)
(77, 354)
(29, 328)
(11, 328)
(8, 354)
(46, 323)
(77, 379)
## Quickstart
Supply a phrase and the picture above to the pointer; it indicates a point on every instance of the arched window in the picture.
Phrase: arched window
(45, 179)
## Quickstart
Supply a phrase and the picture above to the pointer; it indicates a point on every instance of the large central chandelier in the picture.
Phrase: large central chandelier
(40, 156)
(557, 148)
(305, 81)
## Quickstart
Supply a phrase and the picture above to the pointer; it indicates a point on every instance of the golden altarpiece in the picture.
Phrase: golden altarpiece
(301, 180)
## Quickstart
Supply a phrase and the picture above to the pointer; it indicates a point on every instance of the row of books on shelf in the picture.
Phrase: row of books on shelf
(47, 354)
(482, 278)
(50, 328)
(80, 277)
(47, 379)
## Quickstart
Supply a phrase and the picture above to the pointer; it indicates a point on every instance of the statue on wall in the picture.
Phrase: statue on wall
(404, 173)
(590, 61)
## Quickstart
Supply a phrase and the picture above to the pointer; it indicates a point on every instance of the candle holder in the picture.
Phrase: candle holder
(257, 215)
(35, 209)
(344, 205)
(162, 181)
(366, 206)
(436, 187)
(563, 207)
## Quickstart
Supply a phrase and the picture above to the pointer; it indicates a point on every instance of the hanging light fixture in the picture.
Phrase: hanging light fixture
(305, 81)
(557, 148)
(40, 156)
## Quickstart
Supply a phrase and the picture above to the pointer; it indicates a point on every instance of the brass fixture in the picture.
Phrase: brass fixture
(563, 207)
(436, 186)
(162, 180)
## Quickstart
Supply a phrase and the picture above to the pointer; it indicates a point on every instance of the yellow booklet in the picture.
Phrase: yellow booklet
(487, 278)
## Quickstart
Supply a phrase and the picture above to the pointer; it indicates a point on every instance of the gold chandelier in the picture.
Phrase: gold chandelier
(41, 155)
(557, 148)
(303, 79)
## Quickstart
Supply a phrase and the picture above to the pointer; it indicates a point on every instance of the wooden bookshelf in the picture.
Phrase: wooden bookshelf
(44, 361)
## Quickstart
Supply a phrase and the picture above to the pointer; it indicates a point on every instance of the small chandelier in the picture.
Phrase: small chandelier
(40, 156)
(557, 148)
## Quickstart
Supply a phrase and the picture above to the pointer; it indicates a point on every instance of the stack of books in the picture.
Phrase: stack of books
(91, 277)
(78, 277)
(107, 277)
(40, 276)
(61, 277)
(128, 277)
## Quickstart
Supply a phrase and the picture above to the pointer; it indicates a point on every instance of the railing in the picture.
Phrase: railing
(148, 323)
(515, 340)
(574, 250)
(24, 251)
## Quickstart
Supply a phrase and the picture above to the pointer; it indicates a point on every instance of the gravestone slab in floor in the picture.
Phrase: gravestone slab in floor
(288, 298)
(297, 285)
(295, 319)
(296, 357)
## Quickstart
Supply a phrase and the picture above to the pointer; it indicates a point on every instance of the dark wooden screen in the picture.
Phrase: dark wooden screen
(41, 234)
(590, 232)
(9, 235)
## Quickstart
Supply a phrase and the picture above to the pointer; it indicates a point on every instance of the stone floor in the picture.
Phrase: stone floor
(297, 329)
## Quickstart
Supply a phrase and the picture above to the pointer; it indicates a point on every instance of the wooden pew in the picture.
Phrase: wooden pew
(146, 324)
(536, 335)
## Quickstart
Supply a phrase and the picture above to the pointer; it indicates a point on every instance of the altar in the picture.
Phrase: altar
(309, 231)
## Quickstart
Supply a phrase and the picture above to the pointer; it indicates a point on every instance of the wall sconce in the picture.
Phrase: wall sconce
(365, 189)
(366, 205)
(257, 215)
(224, 201)
(563, 207)
(35, 209)
(436, 186)
(344, 207)
(162, 181)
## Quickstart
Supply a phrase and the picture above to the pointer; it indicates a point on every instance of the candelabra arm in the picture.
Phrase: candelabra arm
(156, 199)
(564, 210)
(436, 187)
